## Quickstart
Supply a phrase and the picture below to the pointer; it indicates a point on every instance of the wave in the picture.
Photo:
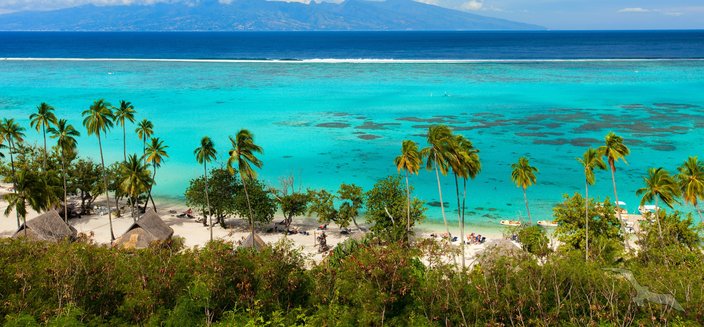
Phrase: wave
(358, 61)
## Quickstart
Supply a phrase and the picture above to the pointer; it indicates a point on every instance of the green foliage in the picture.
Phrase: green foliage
(85, 176)
(261, 199)
(350, 198)
(387, 209)
(681, 240)
(605, 240)
(222, 187)
(534, 240)
(292, 205)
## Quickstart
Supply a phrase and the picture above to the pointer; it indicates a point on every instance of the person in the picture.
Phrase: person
(322, 243)
(471, 238)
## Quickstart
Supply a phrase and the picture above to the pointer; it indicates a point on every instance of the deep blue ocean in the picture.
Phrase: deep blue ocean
(357, 45)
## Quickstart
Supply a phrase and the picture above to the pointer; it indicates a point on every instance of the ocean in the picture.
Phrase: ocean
(334, 107)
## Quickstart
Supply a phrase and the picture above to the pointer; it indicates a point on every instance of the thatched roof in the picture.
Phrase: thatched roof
(147, 229)
(47, 227)
(258, 242)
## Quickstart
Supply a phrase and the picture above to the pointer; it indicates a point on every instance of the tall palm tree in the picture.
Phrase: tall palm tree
(144, 130)
(65, 136)
(136, 180)
(614, 150)
(41, 121)
(243, 156)
(98, 119)
(659, 186)
(409, 161)
(439, 138)
(206, 153)
(12, 132)
(523, 175)
(123, 114)
(590, 160)
(28, 190)
(691, 182)
(465, 163)
(156, 153)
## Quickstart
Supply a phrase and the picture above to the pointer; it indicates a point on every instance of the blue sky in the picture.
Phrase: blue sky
(553, 14)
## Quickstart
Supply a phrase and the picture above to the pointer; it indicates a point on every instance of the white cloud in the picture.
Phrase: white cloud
(634, 10)
(472, 5)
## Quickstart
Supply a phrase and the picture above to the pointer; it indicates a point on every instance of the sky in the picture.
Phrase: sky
(553, 14)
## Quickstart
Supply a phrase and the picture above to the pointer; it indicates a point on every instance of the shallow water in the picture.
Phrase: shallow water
(332, 123)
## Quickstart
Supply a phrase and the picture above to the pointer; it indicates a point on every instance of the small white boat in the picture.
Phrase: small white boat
(620, 203)
(648, 208)
(547, 223)
(514, 223)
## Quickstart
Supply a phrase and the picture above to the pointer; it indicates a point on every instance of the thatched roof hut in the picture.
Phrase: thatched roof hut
(47, 227)
(149, 228)
(258, 242)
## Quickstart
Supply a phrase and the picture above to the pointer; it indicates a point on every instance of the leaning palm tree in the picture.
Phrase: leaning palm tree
(65, 136)
(464, 161)
(614, 150)
(409, 161)
(28, 190)
(206, 153)
(98, 120)
(691, 182)
(41, 121)
(590, 160)
(13, 133)
(243, 156)
(156, 153)
(144, 130)
(439, 138)
(123, 114)
(659, 186)
(523, 175)
(136, 180)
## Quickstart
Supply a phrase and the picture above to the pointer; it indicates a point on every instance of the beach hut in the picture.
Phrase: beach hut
(258, 242)
(149, 228)
(47, 227)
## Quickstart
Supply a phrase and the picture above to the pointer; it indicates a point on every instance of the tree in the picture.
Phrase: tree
(659, 186)
(523, 175)
(591, 159)
(29, 189)
(85, 176)
(409, 161)
(321, 203)
(98, 120)
(385, 203)
(135, 180)
(156, 154)
(439, 137)
(144, 131)
(534, 240)
(123, 114)
(292, 204)
(223, 186)
(206, 153)
(691, 182)
(614, 150)
(684, 241)
(41, 121)
(352, 197)
(12, 132)
(65, 135)
(258, 198)
(243, 155)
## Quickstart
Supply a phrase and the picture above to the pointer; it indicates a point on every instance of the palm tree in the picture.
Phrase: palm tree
(123, 114)
(12, 132)
(156, 153)
(691, 182)
(30, 190)
(65, 136)
(465, 163)
(614, 150)
(409, 160)
(41, 120)
(98, 120)
(590, 160)
(144, 130)
(204, 154)
(659, 185)
(136, 180)
(243, 155)
(523, 175)
(439, 137)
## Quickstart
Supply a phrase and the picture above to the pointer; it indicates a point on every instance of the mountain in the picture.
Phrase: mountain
(257, 15)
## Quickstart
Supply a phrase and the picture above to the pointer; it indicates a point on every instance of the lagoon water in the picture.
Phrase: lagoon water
(328, 123)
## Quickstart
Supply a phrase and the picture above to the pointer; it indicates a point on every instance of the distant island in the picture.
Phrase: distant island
(258, 15)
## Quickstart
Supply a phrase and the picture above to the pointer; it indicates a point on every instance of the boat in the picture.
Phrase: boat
(648, 208)
(547, 223)
(514, 223)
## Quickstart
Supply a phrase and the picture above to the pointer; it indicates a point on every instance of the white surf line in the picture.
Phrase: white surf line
(355, 61)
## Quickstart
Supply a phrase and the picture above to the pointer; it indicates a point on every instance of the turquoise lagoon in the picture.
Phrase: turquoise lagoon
(343, 122)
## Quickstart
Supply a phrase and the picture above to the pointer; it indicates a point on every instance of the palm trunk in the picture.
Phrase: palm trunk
(63, 167)
(459, 219)
(408, 210)
(14, 176)
(586, 221)
(251, 213)
(107, 194)
(24, 218)
(124, 142)
(207, 200)
(45, 154)
(149, 195)
(144, 150)
(464, 202)
(618, 206)
(657, 217)
(442, 205)
(525, 199)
